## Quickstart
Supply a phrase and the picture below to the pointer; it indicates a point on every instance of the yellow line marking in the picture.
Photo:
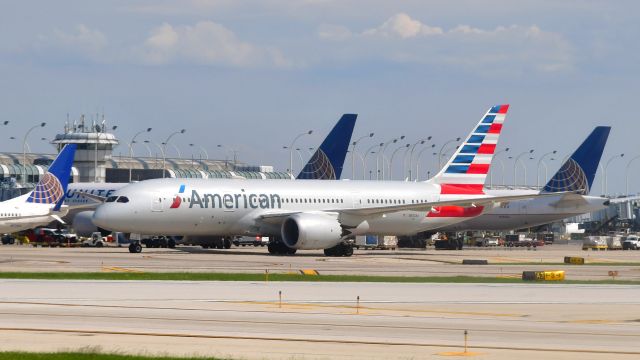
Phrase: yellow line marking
(373, 309)
(119, 269)
(457, 353)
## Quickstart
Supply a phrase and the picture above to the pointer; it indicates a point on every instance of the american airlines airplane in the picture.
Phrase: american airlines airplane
(574, 178)
(326, 163)
(43, 204)
(310, 214)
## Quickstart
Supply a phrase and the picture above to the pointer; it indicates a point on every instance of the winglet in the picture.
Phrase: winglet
(53, 185)
(466, 171)
(328, 160)
(578, 172)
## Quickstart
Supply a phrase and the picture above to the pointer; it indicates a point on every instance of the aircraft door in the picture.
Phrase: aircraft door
(357, 200)
(156, 203)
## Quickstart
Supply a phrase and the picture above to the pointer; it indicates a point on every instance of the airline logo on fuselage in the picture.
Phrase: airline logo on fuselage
(242, 200)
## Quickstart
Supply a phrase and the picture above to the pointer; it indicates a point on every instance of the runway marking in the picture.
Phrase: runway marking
(119, 269)
(353, 308)
(316, 341)
(324, 324)
(458, 353)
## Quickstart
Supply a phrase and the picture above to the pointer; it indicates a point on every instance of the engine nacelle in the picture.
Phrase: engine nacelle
(83, 225)
(311, 231)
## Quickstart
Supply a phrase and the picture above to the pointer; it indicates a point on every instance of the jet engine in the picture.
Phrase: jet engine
(83, 225)
(311, 231)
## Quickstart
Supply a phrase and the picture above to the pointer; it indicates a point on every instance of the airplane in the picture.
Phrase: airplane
(312, 214)
(43, 204)
(326, 163)
(574, 179)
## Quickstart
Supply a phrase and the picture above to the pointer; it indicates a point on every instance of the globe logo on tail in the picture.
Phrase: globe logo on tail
(319, 168)
(48, 191)
(570, 177)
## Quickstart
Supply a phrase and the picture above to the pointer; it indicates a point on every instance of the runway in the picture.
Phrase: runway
(503, 262)
(322, 320)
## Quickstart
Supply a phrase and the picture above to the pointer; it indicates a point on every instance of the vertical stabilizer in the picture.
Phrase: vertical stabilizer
(328, 160)
(466, 171)
(578, 172)
(53, 185)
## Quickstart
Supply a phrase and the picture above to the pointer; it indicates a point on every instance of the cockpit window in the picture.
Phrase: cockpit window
(123, 199)
(111, 199)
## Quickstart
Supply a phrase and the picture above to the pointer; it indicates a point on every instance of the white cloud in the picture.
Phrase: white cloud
(403, 26)
(403, 39)
(207, 43)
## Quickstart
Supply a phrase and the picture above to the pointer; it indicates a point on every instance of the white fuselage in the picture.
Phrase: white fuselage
(520, 214)
(16, 214)
(236, 207)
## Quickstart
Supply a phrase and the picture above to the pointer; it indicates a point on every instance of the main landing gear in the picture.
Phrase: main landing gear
(279, 248)
(341, 249)
(135, 247)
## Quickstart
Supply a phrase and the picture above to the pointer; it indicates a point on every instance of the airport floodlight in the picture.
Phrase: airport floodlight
(605, 183)
(353, 154)
(24, 150)
(6, 122)
(133, 141)
(291, 149)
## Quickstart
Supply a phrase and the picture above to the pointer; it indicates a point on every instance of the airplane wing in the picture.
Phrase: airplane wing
(278, 217)
(96, 198)
(625, 199)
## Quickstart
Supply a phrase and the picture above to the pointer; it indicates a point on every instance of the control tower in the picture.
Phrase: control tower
(95, 147)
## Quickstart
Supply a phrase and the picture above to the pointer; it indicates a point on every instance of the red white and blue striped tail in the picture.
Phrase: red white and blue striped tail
(467, 170)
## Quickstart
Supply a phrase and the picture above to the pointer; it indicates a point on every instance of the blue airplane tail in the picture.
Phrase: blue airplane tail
(53, 185)
(327, 162)
(578, 172)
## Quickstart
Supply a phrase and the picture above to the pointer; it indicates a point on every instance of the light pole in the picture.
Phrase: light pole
(418, 160)
(95, 156)
(233, 151)
(353, 154)
(164, 150)
(626, 174)
(291, 149)
(364, 160)
(606, 182)
(159, 148)
(202, 150)
(146, 145)
(406, 147)
(24, 150)
(381, 153)
(133, 139)
(495, 157)
(442, 149)
(541, 161)
(404, 161)
(515, 167)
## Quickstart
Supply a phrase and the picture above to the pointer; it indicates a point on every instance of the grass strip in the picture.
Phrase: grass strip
(184, 276)
(18, 355)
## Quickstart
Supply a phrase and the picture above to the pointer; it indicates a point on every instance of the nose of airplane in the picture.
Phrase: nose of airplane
(104, 217)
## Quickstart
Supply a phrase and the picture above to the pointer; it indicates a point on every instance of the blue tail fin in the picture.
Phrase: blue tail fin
(53, 185)
(327, 162)
(577, 173)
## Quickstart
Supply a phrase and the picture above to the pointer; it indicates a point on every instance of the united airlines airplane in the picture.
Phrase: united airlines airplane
(325, 164)
(43, 204)
(310, 214)
(574, 179)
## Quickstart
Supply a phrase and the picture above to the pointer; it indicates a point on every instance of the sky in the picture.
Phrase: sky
(251, 75)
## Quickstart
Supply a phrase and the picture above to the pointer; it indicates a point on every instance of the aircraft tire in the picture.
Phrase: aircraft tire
(135, 248)
(171, 244)
(227, 243)
(348, 250)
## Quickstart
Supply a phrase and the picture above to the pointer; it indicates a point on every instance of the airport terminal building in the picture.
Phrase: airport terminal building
(95, 162)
